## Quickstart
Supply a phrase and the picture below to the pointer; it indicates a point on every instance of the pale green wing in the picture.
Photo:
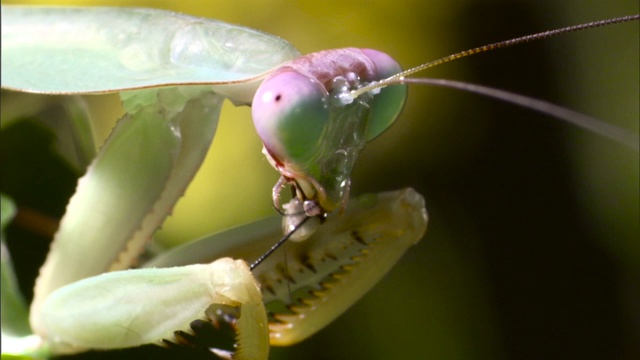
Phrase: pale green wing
(92, 50)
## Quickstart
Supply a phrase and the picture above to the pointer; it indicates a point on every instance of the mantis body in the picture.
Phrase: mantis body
(170, 129)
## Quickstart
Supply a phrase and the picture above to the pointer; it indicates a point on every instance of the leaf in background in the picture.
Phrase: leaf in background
(67, 117)
(14, 309)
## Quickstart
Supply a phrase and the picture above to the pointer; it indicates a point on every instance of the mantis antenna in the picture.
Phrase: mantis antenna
(599, 127)
(615, 133)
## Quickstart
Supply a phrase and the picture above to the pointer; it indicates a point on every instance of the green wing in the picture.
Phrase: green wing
(93, 50)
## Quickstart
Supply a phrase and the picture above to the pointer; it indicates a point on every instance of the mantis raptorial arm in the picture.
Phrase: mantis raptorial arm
(113, 310)
(131, 186)
(321, 278)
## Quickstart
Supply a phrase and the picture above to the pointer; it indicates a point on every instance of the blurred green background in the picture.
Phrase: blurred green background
(533, 247)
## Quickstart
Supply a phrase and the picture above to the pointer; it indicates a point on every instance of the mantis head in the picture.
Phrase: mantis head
(312, 130)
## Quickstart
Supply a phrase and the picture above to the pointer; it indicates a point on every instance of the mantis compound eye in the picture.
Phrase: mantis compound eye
(290, 113)
(388, 103)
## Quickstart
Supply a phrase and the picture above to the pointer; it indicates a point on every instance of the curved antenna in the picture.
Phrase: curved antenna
(278, 244)
(586, 122)
(400, 77)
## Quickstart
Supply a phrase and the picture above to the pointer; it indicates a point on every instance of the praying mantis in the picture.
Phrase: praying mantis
(362, 182)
